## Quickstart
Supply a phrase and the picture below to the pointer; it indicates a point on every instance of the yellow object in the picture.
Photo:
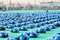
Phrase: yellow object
(38, 2)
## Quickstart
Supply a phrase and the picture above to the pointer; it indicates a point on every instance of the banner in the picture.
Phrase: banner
(28, 2)
(18, 2)
(35, 2)
(38, 2)
(10, 2)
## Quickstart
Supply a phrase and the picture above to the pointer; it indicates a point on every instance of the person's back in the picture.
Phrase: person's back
(47, 11)
(3, 9)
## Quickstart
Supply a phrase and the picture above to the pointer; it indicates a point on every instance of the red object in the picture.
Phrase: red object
(18, 2)
(10, 2)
